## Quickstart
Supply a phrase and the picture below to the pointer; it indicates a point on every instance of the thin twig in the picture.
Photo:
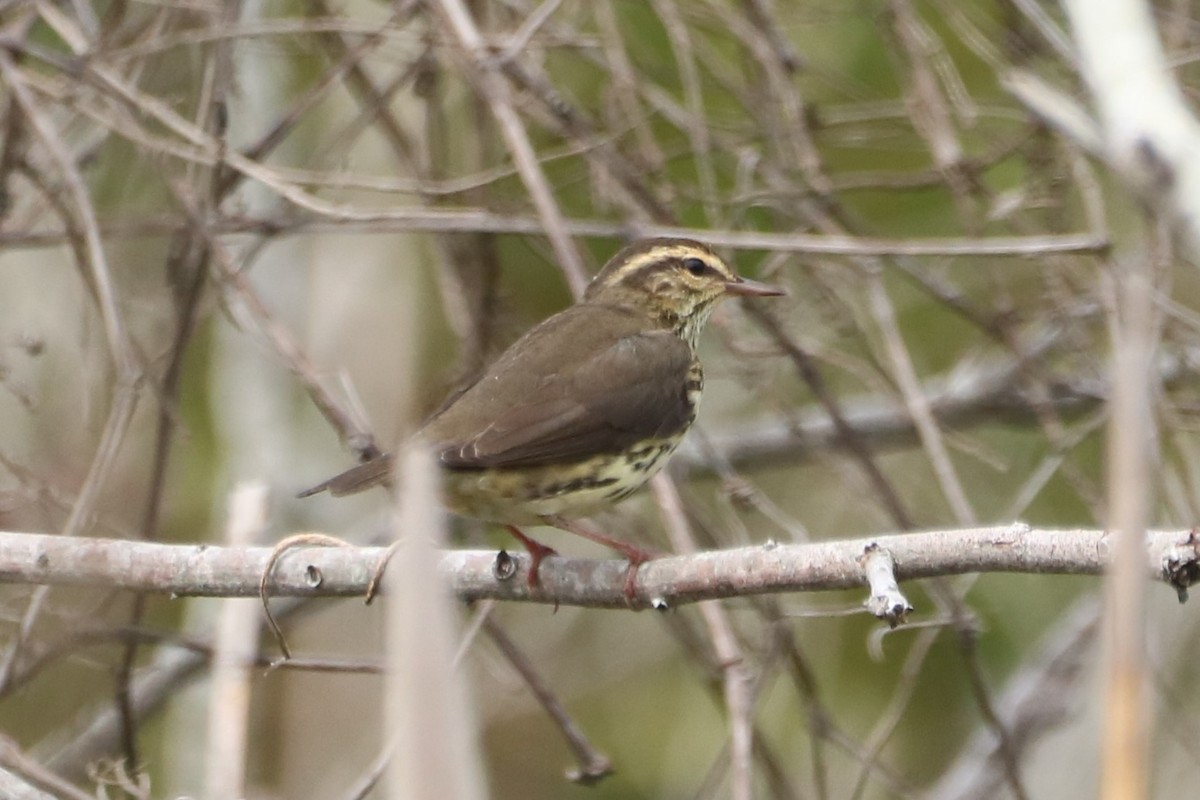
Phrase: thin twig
(235, 649)
(736, 675)
(593, 765)
(499, 97)
(211, 571)
(334, 218)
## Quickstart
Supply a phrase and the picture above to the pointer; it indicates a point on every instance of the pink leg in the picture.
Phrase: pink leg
(537, 551)
(636, 556)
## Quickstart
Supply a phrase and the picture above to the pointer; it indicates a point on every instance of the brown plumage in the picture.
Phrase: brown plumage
(584, 408)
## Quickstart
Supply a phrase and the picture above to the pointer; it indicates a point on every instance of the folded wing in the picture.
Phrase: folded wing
(605, 402)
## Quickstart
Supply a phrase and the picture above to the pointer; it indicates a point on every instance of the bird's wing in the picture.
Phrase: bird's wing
(605, 401)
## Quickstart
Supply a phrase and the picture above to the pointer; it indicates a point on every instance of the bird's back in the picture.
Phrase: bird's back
(591, 380)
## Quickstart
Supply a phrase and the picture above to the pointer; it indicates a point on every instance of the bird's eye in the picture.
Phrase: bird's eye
(695, 266)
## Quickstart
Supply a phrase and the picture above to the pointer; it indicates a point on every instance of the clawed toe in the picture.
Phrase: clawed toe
(537, 552)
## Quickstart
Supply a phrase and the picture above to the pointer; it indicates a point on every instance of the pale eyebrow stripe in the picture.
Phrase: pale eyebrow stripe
(665, 252)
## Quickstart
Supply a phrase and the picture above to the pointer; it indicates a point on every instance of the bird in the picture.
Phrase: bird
(582, 410)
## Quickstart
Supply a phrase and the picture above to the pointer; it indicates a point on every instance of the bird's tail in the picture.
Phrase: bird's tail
(376, 472)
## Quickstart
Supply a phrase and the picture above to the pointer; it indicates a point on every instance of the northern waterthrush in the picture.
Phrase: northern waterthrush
(584, 408)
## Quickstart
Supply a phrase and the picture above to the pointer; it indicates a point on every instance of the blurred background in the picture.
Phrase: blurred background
(215, 212)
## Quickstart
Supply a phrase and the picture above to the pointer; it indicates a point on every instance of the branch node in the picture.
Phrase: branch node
(591, 773)
(1181, 565)
(1019, 528)
(504, 567)
(886, 602)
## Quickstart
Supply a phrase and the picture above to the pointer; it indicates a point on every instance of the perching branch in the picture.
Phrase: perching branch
(211, 571)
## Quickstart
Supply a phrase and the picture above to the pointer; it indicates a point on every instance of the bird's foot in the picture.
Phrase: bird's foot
(537, 552)
(636, 556)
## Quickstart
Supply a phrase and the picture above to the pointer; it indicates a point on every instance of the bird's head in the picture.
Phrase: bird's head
(677, 282)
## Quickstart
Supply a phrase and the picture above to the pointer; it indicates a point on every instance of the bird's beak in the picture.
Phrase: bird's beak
(748, 288)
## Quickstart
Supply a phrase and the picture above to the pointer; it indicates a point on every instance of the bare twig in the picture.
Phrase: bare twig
(211, 571)
(428, 713)
(235, 651)
(1040, 697)
(98, 733)
(886, 601)
(331, 217)
(1149, 133)
(33, 775)
(495, 90)
(593, 765)
(736, 674)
